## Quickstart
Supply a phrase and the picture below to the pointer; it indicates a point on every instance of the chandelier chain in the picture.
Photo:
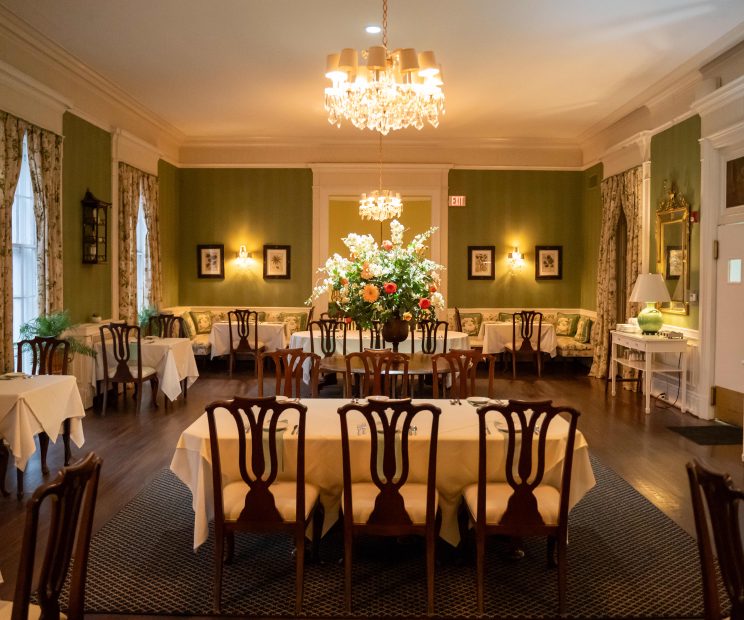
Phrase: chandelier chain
(384, 24)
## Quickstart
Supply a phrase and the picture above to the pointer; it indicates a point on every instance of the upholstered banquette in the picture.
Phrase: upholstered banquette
(199, 320)
(573, 327)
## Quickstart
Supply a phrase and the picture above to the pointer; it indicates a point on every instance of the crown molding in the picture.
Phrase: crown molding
(719, 98)
(17, 29)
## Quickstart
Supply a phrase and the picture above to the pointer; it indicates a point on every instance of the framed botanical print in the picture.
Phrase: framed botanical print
(480, 262)
(276, 262)
(548, 262)
(675, 261)
(210, 261)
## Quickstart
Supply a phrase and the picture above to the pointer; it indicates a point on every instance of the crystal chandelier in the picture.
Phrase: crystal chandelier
(380, 204)
(394, 90)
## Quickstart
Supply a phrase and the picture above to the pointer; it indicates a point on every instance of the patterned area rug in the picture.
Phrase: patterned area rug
(713, 435)
(626, 560)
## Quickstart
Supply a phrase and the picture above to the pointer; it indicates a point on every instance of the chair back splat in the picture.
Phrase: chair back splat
(244, 342)
(49, 355)
(327, 330)
(381, 368)
(166, 326)
(431, 331)
(523, 334)
(71, 502)
(289, 368)
(716, 505)
(392, 505)
(462, 367)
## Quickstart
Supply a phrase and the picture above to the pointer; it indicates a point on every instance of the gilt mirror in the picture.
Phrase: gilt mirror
(673, 249)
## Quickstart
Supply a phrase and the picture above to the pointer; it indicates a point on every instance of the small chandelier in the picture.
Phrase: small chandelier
(380, 204)
(393, 91)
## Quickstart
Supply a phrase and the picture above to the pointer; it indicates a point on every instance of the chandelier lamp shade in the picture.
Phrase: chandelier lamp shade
(387, 91)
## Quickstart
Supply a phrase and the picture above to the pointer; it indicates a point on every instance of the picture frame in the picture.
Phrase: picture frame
(277, 262)
(735, 182)
(548, 262)
(675, 257)
(481, 262)
(210, 261)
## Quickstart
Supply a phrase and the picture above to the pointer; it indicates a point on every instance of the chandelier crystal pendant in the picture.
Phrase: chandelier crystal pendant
(394, 90)
(380, 204)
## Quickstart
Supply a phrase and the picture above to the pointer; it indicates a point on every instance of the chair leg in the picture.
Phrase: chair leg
(232, 361)
(105, 398)
(299, 566)
(185, 389)
(318, 515)
(480, 544)
(19, 483)
(348, 541)
(514, 364)
(139, 397)
(43, 449)
(4, 457)
(230, 538)
(219, 549)
(66, 441)
(154, 387)
(538, 363)
(430, 550)
(562, 575)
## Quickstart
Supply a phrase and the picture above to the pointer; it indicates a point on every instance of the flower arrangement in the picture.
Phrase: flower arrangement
(378, 283)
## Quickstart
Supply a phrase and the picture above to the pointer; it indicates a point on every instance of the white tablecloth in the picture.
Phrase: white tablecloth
(40, 403)
(495, 335)
(457, 459)
(172, 358)
(273, 335)
(301, 340)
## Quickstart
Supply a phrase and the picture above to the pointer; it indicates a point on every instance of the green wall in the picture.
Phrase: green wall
(591, 227)
(245, 206)
(523, 208)
(169, 222)
(675, 156)
(86, 165)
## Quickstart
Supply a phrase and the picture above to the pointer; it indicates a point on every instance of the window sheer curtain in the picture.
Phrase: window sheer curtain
(133, 184)
(620, 193)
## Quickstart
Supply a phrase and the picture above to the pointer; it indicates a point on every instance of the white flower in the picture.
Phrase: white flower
(396, 232)
(437, 300)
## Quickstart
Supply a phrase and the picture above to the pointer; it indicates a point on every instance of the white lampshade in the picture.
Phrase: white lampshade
(649, 287)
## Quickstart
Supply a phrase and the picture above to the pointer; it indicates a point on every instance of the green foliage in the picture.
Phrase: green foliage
(52, 326)
(143, 316)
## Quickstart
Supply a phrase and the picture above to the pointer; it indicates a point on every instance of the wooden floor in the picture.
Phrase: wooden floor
(135, 448)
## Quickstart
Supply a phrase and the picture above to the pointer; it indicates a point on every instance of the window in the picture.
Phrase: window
(23, 234)
(141, 254)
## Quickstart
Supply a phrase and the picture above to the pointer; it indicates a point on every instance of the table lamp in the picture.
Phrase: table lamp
(650, 288)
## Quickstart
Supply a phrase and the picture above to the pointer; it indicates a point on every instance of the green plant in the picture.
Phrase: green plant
(143, 316)
(52, 325)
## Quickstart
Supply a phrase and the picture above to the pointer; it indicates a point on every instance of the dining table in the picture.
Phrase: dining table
(496, 334)
(33, 404)
(272, 335)
(172, 358)
(457, 457)
(301, 340)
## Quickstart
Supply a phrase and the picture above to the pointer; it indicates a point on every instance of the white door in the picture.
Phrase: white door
(729, 368)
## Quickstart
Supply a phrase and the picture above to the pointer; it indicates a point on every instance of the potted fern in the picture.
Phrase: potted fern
(52, 325)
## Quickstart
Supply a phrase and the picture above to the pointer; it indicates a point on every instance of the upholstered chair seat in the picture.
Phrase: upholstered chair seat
(414, 499)
(146, 371)
(497, 497)
(285, 498)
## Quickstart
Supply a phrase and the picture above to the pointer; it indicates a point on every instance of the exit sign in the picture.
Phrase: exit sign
(457, 201)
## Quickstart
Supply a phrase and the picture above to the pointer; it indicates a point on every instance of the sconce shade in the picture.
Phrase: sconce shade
(650, 288)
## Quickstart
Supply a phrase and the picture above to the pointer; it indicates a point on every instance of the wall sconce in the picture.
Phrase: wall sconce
(244, 256)
(516, 260)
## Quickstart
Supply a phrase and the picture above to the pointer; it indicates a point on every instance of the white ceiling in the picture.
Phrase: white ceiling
(513, 69)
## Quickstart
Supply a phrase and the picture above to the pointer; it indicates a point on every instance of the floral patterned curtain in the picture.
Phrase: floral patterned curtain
(133, 184)
(153, 268)
(129, 194)
(45, 162)
(11, 156)
(621, 192)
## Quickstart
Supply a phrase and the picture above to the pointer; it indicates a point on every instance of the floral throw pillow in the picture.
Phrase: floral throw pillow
(565, 324)
(189, 323)
(202, 321)
(295, 321)
(506, 317)
(471, 322)
(583, 329)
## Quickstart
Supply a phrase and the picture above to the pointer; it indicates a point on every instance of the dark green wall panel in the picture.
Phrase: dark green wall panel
(86, 165)
(252, 207)
(516, 207)
(169, 231)
(591, 222)
(675, 157)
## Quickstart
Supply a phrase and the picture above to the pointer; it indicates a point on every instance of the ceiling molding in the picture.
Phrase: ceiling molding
(719, 98)
(24, 33)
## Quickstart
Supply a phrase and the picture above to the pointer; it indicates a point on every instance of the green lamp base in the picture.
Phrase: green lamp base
(650, 319)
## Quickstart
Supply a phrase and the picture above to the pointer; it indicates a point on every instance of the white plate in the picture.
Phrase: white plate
(15, 375)
(383, 398)
(477, 401)
(501, 426)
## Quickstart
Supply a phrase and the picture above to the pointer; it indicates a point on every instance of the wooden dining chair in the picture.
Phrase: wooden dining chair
(461, 365)
(259, 501)
(431, 331)
(523, 505)
(68, 503)
(381, 369)
(245, 342)
(523, 330)
(328, 332)
(391, 504)
(716, 506)
(166, 326)
(125, 344)
(289, 369)
(49, 356)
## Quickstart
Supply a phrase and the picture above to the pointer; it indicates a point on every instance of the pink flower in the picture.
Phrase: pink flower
(370, 293)
(390, 287)
(432, 288)
(424, 303)
(387, 245)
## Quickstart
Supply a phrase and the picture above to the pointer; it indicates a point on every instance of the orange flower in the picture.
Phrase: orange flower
(432, 288)
(424, 303)
(370, 293)
(366, 273)
(407, 316)
(387, 245)
(390, 287)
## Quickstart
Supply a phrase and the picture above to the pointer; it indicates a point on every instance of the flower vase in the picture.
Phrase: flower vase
(395, 330)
